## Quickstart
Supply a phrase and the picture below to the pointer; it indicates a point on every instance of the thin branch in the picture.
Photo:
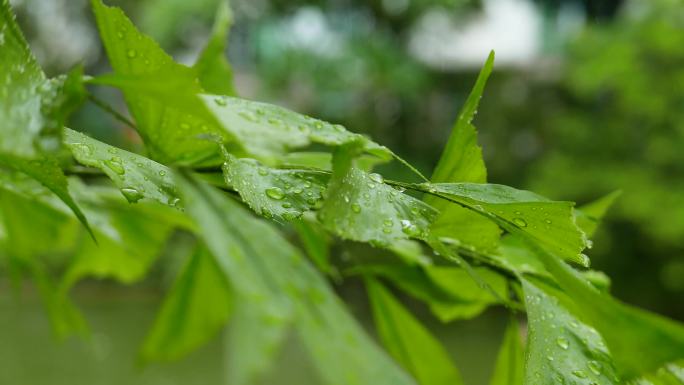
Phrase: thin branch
(117, 115)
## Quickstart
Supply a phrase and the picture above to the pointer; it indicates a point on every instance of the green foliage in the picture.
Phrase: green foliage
(212, 155)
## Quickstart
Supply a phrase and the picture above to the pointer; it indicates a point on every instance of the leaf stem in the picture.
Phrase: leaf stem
(107, 108)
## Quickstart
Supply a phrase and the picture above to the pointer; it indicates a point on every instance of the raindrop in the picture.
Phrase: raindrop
(579, 373)
(519, 222)
(287, 205)
(84, 148)
(262, 171)
(220, 101)
(275, 193)
(356, 208)
(548, 221)
(377, 178)
(162, 173)
(563, 343)
(131, 53)
(115, 165)
(595, 367)
(387, 222)
(132, 195)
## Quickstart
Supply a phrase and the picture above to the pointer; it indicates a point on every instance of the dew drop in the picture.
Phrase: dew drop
(377, 178)
(275, 193)
(595, 367)
(519, 222)
(132, 195)
(287, 205)
(548, 221)
(579, 373)
(262, 171)
(115, 165)
(356, 208)
(220, 102)
(162, 173)
(563, 343)
(131, 53)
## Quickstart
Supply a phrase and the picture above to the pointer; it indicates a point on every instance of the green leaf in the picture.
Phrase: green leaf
(195, 309)
(169, 131)
(408, 341)
(361, 207)
(33, 107)
(316, 243)
(48, 172)
(461, 160)
(472, 297)
(213, 70)
(625, 329)
(266, 270)
(550, 223)
(136, 176)
(561, 349)
(267, 131)
(590, 215)
(33, 112)
(510, 363)
(282, 194)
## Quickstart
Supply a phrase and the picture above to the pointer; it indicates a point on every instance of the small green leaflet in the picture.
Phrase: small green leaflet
(561, 349)
(408, 341)
(550, 223)
(136, 176)
(461, 160)
(195, 309)
(589, 216)
(510, 363)
(213, 70)
(316, 243)
(361, 207)
(275, 287)
(282, 194)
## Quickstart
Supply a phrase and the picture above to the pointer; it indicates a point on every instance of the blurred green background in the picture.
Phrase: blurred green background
(587, 97)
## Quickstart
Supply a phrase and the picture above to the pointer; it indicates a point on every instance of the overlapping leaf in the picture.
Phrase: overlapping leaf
(276, 287)
(361, 207)
(550, 223)
(275, 193)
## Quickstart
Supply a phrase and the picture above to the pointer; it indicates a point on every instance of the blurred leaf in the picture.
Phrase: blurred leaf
(551, 223)
(274, 193)
(213, 70)
(561, 349)
(276, 287)
(510, 363)
(195, 309)
(316, 243)
(361, 207)
(590, 215)
(408, 341)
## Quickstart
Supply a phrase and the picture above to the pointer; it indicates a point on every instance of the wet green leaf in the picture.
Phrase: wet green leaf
(136, 176)
(562, 349)
(361, 207)
(282, 194)
(551, 223)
